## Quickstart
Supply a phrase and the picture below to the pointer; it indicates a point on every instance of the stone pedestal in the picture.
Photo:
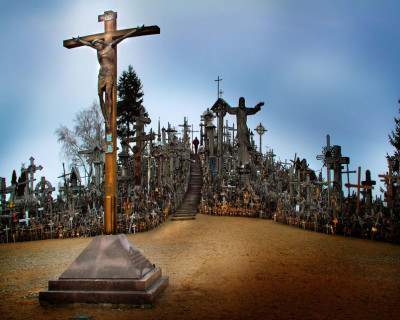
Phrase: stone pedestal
(110, 270)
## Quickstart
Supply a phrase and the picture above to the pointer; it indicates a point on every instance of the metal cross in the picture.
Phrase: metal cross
(219, 92)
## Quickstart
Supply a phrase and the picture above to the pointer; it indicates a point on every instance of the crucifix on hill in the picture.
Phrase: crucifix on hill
(106, 46)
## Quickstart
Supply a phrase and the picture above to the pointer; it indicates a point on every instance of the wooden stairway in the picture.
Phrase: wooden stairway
(188, 208)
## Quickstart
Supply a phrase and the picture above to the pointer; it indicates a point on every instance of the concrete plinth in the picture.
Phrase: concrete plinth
(110, 270)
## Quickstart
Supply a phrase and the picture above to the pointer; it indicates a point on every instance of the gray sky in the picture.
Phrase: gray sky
(321, 67)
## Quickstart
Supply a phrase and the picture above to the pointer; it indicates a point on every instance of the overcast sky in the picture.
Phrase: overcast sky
(321, 67)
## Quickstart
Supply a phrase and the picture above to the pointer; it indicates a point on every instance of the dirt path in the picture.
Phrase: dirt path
(224, 268)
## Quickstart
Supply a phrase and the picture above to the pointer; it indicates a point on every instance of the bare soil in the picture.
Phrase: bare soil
(223, 268)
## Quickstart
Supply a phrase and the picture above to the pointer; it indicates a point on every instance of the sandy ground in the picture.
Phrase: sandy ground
(224, 268)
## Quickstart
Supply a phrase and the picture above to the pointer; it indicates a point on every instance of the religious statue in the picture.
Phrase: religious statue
(241, 113)
(106, 57)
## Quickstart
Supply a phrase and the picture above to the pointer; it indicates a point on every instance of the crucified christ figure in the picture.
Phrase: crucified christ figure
(106, 57)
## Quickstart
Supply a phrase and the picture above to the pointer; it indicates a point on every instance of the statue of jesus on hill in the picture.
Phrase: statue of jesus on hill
(241, 113)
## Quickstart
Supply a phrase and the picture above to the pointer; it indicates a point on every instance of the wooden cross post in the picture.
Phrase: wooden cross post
(191, 131)
(186, 129)
(218, 80)
(358, 186)
(108, 66)
(389, 179)
(348, 178)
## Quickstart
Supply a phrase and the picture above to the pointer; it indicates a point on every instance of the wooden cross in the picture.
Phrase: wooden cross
(388, 180)
(170, 131)
(110, 36)
(348, 178)
(233, 131)
(368, 182)
(137, 151)
(358, 186)
(202, 134)
(192, 130)
(31, 171)
(186, 129)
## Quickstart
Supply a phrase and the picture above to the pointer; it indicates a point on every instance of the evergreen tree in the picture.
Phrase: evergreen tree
(394, 139)
(14, 178)
(130, 101)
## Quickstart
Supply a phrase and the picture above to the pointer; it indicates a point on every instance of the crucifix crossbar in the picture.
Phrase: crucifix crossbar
(145, 31)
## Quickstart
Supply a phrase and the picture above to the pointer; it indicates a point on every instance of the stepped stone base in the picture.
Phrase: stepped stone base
(110, 270)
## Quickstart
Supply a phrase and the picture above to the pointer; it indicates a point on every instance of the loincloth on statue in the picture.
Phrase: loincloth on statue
(106, 81)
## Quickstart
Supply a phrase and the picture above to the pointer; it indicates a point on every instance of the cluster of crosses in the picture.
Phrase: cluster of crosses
(241, 180)
(150, 178)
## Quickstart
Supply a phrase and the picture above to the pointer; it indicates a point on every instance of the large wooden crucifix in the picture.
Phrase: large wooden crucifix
(106, 46)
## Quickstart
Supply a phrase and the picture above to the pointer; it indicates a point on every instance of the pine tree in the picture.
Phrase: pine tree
(130, 102)
(14, 178)
(394, 139)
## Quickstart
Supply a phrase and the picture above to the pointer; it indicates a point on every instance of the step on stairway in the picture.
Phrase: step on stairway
(188, 208)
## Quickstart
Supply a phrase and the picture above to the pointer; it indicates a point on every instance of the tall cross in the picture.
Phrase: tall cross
(219, 109)
(202, 134)
(327, 153)
(368, 182)
(227, 134)
(192, 130)
(31, 171)
(186, 129)
(105, 43)
(389, 179)
(219, 92)
(260, 130)
(233, 132)
(358, 186)
(348, 178)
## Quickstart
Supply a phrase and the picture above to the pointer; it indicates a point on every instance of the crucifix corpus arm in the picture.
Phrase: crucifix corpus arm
(86, 43)
(114, 43)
